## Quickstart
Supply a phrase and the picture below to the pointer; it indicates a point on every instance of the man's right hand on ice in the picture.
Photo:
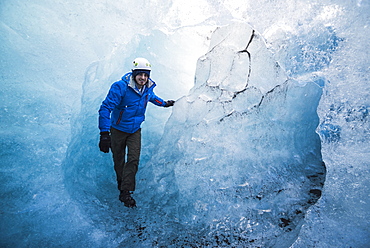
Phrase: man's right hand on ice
(104, 143)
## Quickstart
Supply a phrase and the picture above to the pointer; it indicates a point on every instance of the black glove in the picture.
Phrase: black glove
(169, 103)
(104, 143)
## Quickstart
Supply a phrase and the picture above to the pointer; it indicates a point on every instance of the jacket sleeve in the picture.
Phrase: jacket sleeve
(113, 98)
(156, 100)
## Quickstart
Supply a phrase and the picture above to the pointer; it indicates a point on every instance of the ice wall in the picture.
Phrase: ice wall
(240, 161)
(344, 129)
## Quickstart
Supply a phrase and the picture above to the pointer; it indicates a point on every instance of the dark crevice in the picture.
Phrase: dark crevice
(250, 41)
(250, 62)
(255, 106)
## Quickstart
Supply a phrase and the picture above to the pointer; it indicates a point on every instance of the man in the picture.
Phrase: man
(120, 117)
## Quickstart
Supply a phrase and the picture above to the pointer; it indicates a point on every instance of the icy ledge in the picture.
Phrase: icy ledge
(240, 162)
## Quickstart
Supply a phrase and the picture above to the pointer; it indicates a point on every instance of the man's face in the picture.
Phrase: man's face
(141, 79)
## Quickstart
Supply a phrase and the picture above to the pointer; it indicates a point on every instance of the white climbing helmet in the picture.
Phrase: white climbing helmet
(141, 64)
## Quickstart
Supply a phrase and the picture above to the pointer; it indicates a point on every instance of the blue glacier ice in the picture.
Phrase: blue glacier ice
(266, 146)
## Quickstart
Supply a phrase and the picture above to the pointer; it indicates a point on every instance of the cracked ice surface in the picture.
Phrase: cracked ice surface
(245, 161)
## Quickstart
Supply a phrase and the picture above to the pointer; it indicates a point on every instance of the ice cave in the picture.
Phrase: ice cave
(267, 144)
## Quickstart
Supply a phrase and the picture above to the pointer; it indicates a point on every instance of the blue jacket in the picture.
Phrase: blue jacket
(124, 107)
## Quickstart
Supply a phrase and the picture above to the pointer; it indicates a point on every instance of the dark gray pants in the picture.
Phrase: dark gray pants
(126, 171)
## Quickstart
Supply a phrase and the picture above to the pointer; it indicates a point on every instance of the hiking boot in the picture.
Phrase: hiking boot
(125, 197)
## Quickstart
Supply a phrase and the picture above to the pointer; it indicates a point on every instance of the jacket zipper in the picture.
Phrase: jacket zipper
(146, 101)
(119, 118)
